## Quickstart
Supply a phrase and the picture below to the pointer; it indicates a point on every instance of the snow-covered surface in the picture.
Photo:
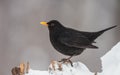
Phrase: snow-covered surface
(111, 61)
(37, 72)
(77, 69)
(110, 64)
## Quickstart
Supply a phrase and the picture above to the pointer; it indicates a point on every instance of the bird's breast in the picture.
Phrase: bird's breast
(62, 48)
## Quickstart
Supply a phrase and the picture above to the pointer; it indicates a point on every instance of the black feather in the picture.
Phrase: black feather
(69, 41)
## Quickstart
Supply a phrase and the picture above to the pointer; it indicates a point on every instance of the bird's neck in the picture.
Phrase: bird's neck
(56, 29)
(55, 32)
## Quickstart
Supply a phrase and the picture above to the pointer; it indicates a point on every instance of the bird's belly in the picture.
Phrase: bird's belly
(66, 50)
(72, 51)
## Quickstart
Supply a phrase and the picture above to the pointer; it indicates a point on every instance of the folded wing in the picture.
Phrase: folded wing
(75, 40)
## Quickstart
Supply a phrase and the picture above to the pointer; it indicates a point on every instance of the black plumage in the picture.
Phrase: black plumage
(69, 41)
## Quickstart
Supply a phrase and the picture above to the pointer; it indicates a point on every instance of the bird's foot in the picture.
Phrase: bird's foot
(64, 60)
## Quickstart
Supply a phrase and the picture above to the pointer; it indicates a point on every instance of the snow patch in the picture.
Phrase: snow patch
(110, 64)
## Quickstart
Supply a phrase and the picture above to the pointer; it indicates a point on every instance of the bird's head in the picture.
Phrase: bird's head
(53, 24)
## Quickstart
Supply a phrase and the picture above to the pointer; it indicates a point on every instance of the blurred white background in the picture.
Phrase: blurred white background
(23, 39)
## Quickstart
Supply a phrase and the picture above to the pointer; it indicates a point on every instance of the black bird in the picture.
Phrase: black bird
(69, 41)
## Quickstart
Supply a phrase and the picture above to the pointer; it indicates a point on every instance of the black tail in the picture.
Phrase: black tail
(96, 34)
(107, 29)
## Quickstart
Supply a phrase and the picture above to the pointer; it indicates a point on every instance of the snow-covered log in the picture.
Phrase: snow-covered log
(110, 64)
(57, 68)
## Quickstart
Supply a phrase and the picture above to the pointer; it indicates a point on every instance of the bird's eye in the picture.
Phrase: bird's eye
(52, 24)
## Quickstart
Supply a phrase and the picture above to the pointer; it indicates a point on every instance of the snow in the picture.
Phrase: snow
(77, 69)
(37, 72)
(110, 64)
(111, 61)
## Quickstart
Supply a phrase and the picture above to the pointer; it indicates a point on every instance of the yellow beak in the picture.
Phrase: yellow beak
(44, 23)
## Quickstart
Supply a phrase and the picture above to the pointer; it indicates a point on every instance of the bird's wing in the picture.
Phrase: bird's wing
(75, 40)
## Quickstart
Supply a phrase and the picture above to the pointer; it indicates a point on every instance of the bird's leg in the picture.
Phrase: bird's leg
(67, 60)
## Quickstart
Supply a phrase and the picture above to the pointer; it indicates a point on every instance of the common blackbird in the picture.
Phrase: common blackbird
(69, 41)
